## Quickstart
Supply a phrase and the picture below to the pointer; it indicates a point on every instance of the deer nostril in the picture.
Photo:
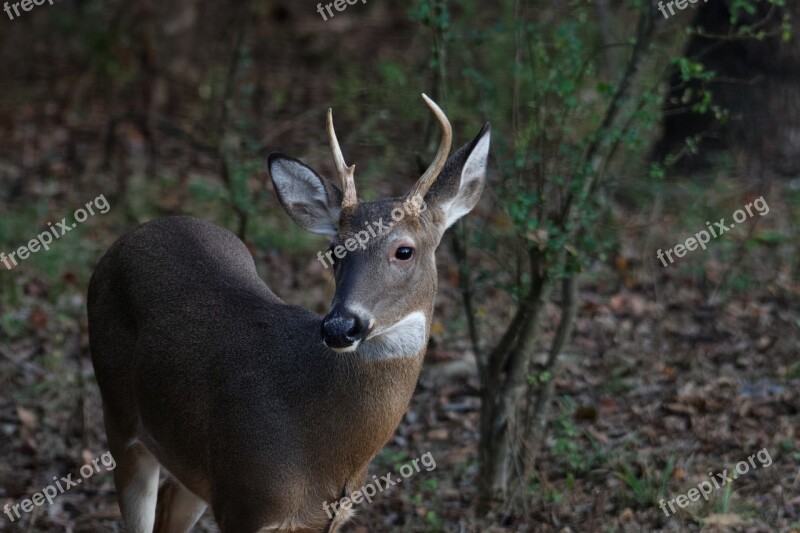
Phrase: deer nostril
(355, 329)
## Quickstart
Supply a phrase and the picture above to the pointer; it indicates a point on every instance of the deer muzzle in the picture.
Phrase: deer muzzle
(343, 330)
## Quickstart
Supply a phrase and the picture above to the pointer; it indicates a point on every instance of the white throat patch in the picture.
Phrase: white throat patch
(404, 338)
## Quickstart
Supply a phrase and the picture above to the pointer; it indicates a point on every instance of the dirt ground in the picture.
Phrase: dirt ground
(661, 386)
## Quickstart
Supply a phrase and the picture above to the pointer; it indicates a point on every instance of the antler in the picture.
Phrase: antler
(346, 174)
(414, 198)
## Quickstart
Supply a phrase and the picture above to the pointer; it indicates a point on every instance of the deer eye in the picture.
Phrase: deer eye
(404, 253)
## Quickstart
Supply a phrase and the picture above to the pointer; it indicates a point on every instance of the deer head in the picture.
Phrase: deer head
(383, 251)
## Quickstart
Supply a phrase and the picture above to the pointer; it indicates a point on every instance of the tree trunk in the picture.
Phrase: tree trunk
(757, 81)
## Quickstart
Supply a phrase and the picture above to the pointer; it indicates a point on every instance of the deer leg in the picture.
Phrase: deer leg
(136, 480)
(178, 508)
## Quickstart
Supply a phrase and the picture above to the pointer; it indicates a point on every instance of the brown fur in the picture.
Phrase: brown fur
(208, 374)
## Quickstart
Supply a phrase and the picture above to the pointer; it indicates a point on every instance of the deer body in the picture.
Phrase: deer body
(260, 409)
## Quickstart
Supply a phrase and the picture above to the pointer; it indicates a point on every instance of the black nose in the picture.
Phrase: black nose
(342, 329)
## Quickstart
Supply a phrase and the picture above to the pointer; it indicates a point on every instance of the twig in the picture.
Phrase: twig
(465, 284)
(537, 418)
(712, 299)
(644, 34)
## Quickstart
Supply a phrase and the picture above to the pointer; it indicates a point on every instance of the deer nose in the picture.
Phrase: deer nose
(342, 328)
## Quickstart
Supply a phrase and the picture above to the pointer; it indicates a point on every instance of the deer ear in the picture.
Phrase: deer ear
(312, 201)
(459, 186)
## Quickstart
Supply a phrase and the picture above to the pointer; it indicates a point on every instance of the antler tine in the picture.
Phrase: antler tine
(346, 174)
(424, 183)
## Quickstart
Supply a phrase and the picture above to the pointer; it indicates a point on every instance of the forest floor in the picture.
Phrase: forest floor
(673, 374)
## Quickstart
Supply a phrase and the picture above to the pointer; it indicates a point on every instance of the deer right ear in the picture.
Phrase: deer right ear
(460, 184)
(312, 201)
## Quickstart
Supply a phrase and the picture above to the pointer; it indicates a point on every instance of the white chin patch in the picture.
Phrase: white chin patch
(404, 338)
(352, 348)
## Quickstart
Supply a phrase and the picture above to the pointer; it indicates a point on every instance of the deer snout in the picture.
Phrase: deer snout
(343, 330)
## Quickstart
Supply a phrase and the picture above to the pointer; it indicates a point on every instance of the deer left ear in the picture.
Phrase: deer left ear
(312, 201)
(459, 186)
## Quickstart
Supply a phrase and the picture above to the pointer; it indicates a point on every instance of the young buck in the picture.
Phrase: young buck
(263, 410)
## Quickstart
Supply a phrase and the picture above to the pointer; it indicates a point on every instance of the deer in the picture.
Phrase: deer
(262, 410)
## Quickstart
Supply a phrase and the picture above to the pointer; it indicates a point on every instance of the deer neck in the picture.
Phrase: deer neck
(377, 395)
